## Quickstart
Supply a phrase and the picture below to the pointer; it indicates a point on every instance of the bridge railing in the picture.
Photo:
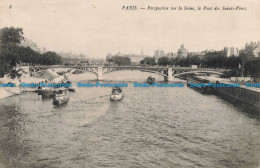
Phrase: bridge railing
(128, 67)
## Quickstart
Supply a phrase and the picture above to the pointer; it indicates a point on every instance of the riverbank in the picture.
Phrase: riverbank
(46, 75)
(242, 94)
(4, 93)
(223, 88)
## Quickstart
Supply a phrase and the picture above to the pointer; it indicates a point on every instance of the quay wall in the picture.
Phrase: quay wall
(242, 94)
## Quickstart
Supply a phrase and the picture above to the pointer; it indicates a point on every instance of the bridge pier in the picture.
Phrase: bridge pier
(99, 73)
(169, 77)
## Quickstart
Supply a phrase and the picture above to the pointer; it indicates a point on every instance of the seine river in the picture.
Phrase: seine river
(150, 127)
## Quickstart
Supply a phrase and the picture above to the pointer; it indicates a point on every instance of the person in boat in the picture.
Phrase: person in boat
(60, 91)
(150, 79)
(116, 90)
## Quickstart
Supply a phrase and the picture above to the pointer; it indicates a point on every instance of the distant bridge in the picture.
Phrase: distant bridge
(167, 72)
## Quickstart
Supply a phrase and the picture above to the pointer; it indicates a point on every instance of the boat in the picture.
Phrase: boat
(39, 90)
(197, 83)
(150, 80)
(61, 96)
(46, 93)
(72, 89)
(116, 94)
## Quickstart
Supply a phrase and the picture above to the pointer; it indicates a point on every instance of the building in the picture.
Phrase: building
(171, 55)
(95, 62)
(109, 55)
(183, 52)
(73, 59)
(199, 54)
(231, 51)
(158, 54)
(135, 58)
(256, 49)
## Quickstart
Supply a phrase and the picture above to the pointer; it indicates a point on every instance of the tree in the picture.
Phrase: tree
(195, 60)
(50, 58)
(10, 54)
(216, 59)
(148, 61)
(11, 35)
(232, 62)
(252, 67)
(9, 49)
(13, 73)
(163, 61)
(121, 61)
(27, 55)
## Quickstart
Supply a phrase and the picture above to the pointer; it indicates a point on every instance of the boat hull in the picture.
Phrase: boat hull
(47, 94)
(204, 90)
(71, 89)
(116, 97)
(60, 102)
(60, 97)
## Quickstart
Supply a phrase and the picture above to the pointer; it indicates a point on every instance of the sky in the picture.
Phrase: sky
(97, 27)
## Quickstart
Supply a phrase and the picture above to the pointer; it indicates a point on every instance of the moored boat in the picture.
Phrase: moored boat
(200, 83)
(116, 94)
(39, 90)
(61, 96)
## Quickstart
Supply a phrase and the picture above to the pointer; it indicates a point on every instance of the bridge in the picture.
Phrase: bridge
(167, 72)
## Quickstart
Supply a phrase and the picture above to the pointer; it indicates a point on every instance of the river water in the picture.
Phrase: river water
(150, 127)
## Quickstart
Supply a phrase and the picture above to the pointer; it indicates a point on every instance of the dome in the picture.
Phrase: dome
(182, 49)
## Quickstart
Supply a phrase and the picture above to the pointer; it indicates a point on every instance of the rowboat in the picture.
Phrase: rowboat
(61, 96)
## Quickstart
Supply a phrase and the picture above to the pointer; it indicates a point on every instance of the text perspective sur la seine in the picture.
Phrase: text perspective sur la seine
(185, 8)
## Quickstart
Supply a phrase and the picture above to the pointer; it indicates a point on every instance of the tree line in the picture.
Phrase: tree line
(121, 61)
(11, 52)
(217, 59)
